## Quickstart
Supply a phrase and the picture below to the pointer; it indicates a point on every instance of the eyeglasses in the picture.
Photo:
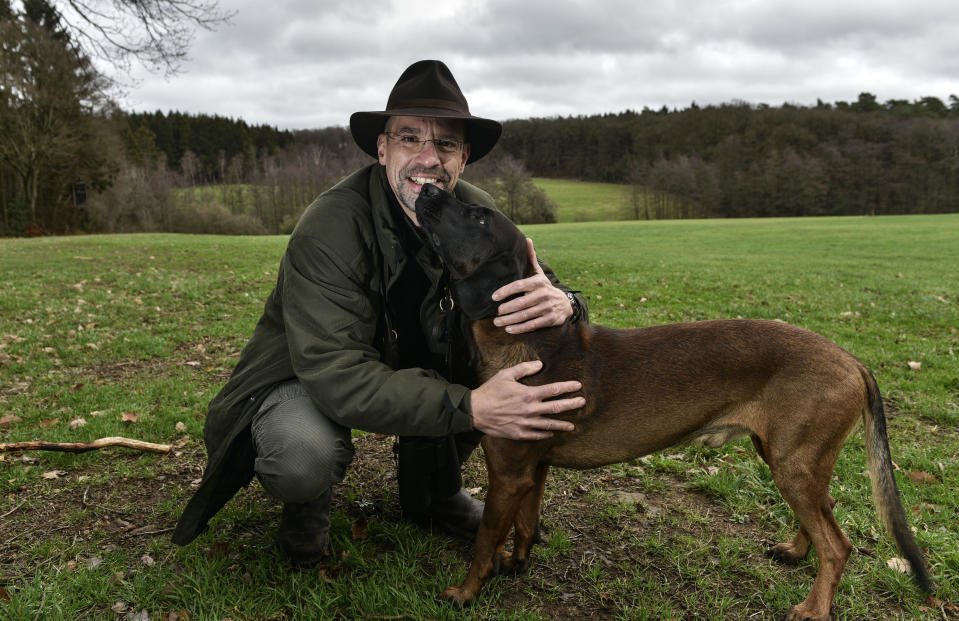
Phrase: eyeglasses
(415, 144)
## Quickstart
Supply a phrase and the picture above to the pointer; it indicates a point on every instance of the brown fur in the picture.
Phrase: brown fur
(795, 393)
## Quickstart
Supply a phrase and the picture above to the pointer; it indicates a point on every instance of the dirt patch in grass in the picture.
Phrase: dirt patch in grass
(604, 523)
(205, 354)
(97, 502)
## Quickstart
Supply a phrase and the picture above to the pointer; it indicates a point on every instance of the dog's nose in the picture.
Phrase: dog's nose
(430, 190)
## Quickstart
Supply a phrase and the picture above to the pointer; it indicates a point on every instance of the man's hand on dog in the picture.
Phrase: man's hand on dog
(539, 305)
(505, 408)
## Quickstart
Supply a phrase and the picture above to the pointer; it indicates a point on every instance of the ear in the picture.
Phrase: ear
(381, 148)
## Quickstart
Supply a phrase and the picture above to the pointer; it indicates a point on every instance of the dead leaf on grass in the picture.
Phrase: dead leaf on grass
(53, 474)
(360, 530)
(9, 419)
(48, 423)
(899, 564)
(922, 477)
(4, 596)
(631, 498)
(143, 529)
(76, 387)
(94, 562)
(77, 422)
(129, 417)
(147, 560)
(18, 388)
(915, 366)
(180, 427)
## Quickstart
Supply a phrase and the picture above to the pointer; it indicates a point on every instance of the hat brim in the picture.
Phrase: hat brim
(481, 134)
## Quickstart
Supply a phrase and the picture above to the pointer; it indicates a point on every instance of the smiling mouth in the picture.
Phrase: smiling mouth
(423, 180)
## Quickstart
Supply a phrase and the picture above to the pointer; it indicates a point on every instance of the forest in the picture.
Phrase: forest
(71, 160)
(738, 159)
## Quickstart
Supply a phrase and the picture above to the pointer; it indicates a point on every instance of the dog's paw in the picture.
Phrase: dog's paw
(458, 596)
(507, 564)
(785, 553)
(800, 613)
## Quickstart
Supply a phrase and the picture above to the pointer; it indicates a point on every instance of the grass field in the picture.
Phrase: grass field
(133, 335)
(579, 201)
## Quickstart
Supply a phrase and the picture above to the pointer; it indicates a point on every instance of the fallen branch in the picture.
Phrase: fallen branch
(82, 447)
(14, 509)
(147, 532)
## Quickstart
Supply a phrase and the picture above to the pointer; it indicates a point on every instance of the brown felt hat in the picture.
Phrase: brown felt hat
(427, 88)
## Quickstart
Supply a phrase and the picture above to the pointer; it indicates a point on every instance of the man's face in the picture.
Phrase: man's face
(409, 164)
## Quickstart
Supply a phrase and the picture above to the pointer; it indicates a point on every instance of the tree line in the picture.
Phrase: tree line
(71, 160)
(738, 160)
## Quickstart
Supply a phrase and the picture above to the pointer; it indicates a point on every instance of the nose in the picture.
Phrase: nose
(428, 156)
(430, 191)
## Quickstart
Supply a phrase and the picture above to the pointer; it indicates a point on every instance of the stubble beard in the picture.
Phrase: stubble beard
(407, 195)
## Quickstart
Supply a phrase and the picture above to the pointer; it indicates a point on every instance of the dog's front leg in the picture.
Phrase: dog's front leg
(503, 501)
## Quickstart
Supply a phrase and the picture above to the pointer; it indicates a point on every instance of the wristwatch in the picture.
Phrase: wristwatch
(574, 304)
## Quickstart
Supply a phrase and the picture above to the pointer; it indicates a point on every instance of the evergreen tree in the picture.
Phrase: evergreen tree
(51, 100)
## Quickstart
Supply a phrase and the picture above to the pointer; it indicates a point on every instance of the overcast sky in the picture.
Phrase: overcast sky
(300, 64)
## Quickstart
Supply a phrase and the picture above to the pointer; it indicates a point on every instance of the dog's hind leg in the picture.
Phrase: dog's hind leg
(526, 524)
(804, 487)
(790, 552)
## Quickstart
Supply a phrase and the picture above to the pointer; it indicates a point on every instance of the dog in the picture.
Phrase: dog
(795, 393)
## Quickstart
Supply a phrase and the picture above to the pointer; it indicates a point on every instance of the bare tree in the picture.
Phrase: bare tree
(157, 33)
(190, 165)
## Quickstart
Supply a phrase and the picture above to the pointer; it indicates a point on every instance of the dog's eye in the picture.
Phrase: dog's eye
(479, 217)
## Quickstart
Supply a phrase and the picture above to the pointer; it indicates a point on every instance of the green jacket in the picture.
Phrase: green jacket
(326, 322)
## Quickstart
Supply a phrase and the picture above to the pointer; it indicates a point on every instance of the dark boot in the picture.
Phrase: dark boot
(304, 534)
(458, 515)
(430, 484)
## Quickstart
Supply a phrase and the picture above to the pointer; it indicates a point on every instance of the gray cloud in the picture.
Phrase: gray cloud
(299, 64)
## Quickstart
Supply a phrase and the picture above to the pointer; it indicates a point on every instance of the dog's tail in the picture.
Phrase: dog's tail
(884, 490)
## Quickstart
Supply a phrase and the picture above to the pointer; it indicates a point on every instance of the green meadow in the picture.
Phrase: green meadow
(579, 201)
(132, 335)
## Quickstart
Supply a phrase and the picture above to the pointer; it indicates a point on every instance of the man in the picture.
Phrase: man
(360, 333)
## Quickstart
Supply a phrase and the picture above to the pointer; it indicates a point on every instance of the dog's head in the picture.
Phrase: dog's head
(481, 248)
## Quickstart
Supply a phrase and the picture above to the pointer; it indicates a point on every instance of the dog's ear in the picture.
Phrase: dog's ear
(522, 256)
(474, 294)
